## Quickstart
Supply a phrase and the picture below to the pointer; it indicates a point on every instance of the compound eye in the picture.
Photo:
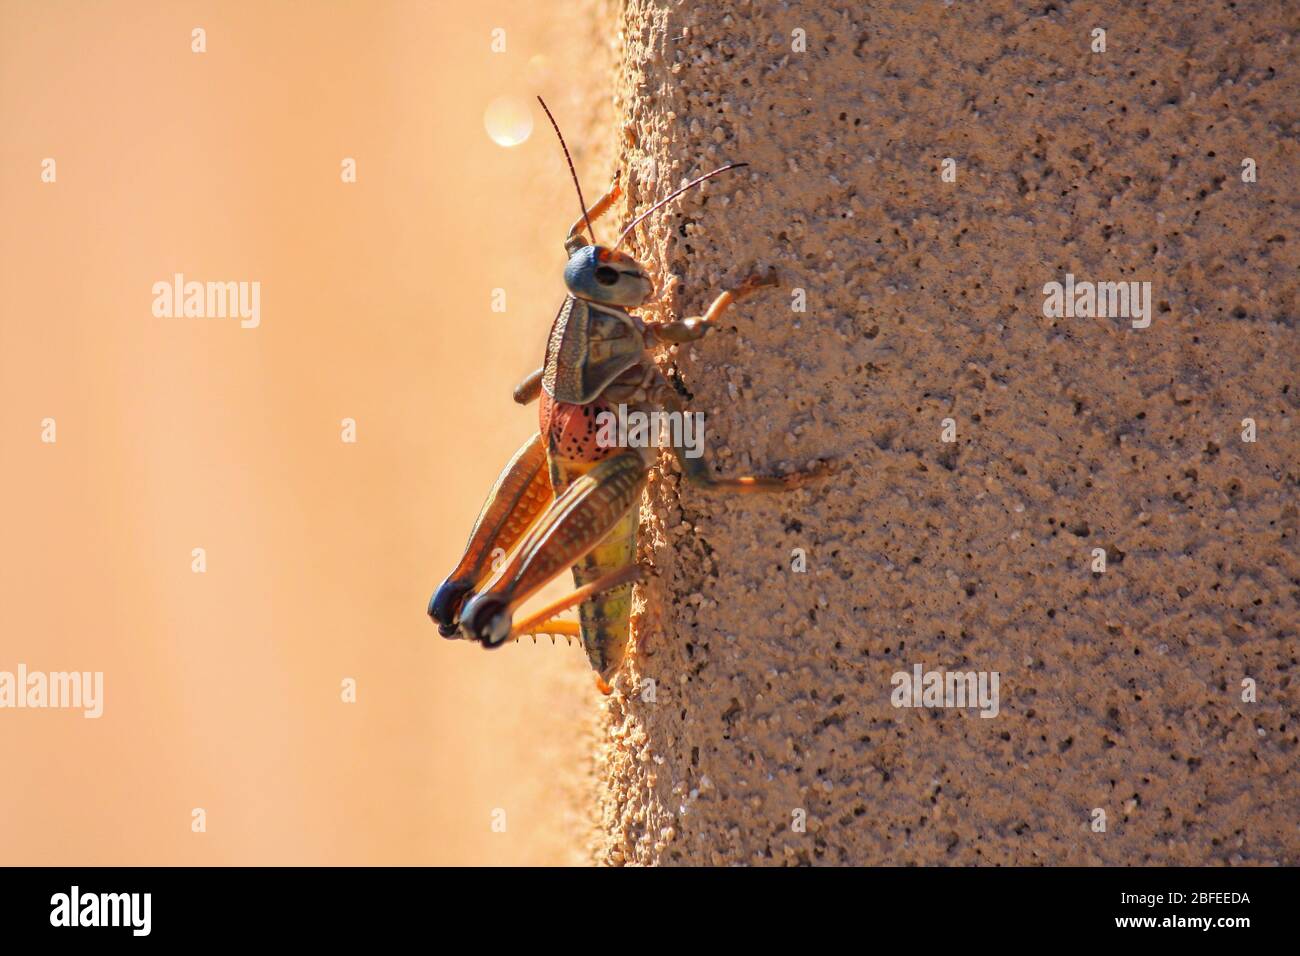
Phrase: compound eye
(606, 275)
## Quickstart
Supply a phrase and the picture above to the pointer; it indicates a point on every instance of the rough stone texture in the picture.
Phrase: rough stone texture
(1119, 690)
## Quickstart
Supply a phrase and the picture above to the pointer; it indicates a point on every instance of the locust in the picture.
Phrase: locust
(567, 500)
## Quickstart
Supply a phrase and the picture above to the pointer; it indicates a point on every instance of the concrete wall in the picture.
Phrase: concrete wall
(1120, 691)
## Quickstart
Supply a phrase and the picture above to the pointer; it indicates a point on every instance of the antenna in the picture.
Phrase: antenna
(670, 197)
(572, 172)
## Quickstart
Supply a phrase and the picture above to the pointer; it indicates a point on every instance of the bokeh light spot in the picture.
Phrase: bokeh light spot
(508, 120)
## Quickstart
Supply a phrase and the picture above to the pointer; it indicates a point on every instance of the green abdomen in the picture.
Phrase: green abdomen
(606, 618)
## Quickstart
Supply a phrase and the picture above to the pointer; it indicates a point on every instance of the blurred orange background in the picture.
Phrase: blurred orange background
(223, 689)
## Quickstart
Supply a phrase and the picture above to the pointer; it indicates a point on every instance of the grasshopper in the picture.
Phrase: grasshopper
(565, 500)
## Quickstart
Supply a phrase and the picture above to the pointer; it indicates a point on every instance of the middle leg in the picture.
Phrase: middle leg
(696, 467)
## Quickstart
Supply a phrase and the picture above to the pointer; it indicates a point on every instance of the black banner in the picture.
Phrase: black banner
(334, 905)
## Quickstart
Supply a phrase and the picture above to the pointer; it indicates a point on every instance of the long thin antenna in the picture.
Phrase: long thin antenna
(671, 196)
(572, 172)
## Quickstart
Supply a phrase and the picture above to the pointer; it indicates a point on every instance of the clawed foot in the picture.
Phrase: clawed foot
(756, 281)
(823, 468)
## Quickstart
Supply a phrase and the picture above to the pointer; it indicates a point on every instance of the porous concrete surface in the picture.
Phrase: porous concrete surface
(1120, 691)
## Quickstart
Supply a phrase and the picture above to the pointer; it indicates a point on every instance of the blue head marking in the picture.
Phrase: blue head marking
(580, 273)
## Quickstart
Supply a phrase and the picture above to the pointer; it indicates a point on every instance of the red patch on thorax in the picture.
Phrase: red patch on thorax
(571, 430)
